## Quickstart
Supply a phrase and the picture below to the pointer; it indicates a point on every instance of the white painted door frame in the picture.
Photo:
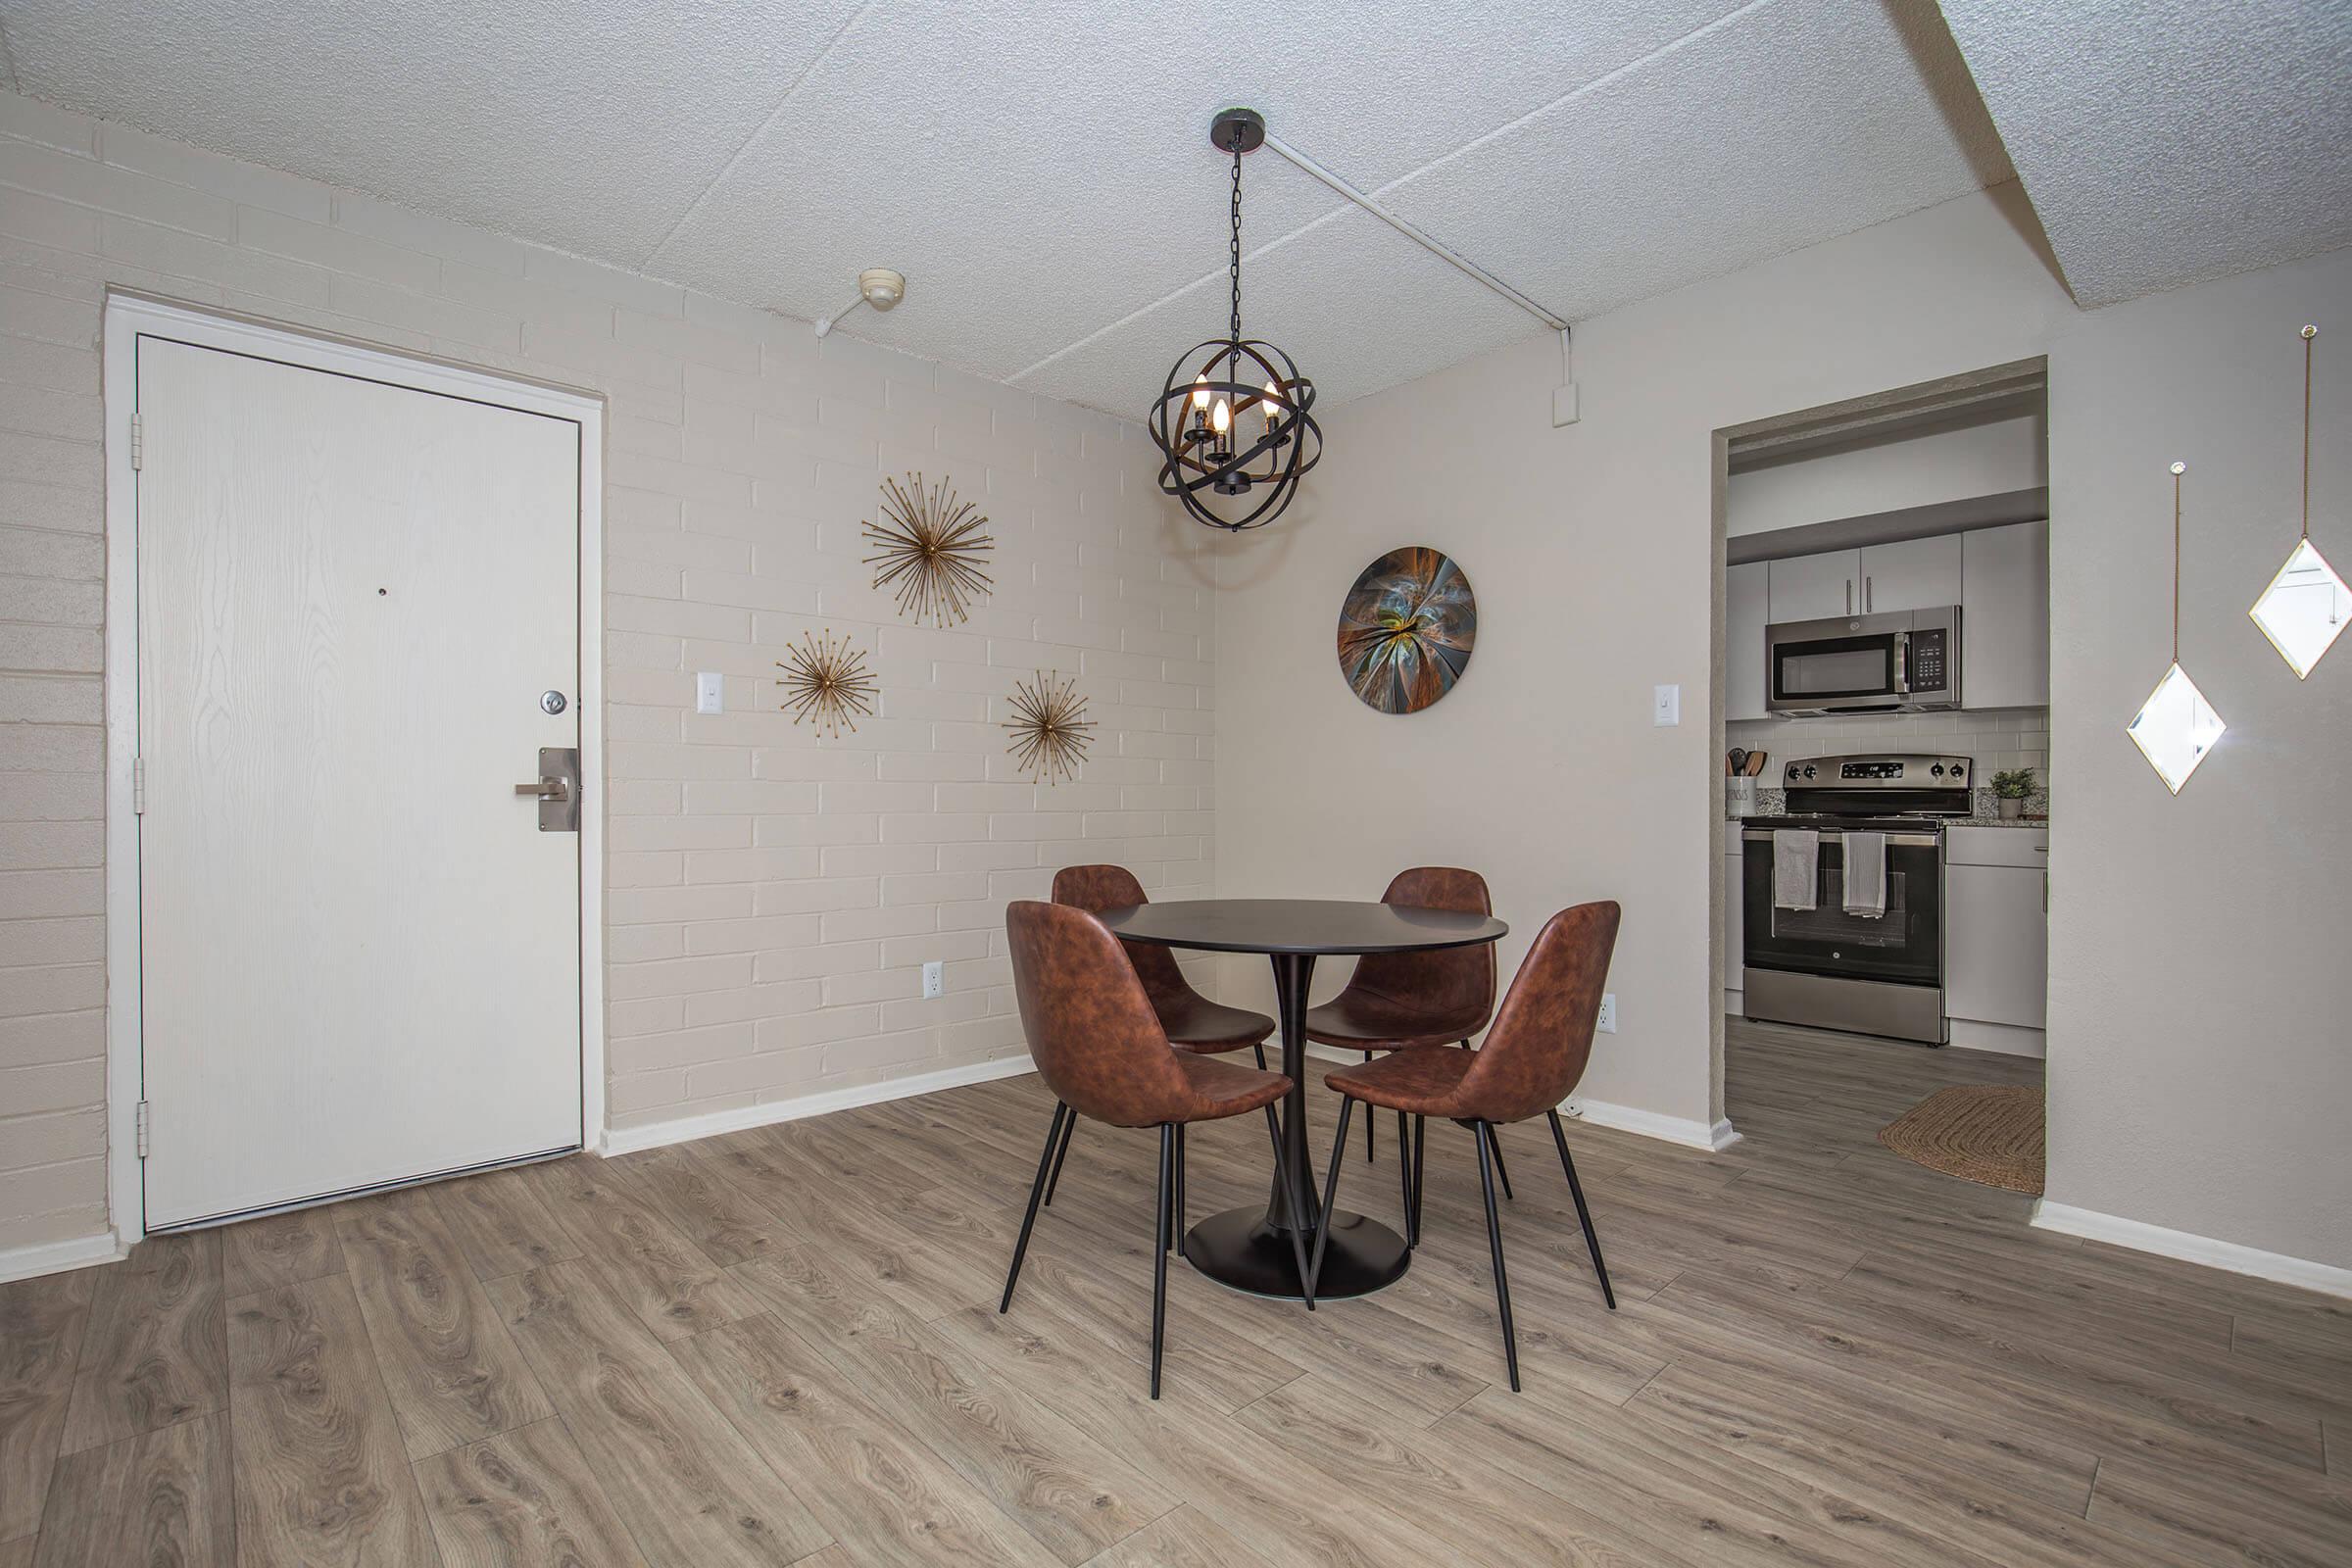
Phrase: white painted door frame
(129, 314)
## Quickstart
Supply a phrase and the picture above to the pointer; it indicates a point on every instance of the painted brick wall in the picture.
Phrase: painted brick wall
(771, 896)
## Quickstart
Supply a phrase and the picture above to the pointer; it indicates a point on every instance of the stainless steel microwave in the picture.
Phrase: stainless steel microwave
(1902, 661)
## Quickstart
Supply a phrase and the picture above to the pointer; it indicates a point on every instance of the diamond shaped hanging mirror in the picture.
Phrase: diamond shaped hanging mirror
(2305, 605)
(2175, 726)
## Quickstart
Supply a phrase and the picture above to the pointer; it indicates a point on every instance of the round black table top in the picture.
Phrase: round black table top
(1299, 926)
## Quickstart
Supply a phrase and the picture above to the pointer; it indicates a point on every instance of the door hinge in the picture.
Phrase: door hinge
(142, 1126)
(138, 444)
(138, 786)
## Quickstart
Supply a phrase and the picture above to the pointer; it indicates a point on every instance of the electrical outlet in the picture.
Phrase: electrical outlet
(933, 984)
(1607, 1023)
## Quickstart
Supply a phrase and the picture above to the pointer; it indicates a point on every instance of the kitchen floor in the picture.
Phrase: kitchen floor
(783, 1346)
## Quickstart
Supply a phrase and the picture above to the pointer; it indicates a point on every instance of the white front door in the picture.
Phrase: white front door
(360, 955)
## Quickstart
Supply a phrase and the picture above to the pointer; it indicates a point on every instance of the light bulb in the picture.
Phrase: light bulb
(1220, 417)
(1201, 390)
(1271, 403)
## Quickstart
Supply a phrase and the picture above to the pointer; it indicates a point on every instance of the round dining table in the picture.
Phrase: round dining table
(1249, 1249)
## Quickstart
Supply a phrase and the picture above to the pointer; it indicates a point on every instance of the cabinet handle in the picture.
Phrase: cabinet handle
(1866, 595)
(1849, 596)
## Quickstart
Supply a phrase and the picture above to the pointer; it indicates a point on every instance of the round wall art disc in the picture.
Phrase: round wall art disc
(1405, 630)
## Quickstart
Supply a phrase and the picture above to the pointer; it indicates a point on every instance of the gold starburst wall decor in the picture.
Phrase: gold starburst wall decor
(931, 548)
(1048, 732)
(825, 681)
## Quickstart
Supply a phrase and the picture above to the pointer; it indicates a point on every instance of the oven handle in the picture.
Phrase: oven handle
(1907, 841)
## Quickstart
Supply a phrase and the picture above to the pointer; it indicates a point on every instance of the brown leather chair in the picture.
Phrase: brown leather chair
(1191, 1021)
(1531, 1062)
(1100, 1047)
(1395, 1001)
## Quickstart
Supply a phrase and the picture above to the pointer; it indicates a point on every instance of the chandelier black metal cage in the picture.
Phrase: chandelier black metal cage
(1235, 424)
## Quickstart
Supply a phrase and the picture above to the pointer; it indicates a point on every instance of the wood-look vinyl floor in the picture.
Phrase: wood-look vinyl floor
(782, 1346)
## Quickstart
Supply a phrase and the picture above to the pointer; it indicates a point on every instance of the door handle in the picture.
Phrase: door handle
(556, 789)
(1849, 596)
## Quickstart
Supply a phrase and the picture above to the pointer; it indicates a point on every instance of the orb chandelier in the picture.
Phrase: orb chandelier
(1235, 425)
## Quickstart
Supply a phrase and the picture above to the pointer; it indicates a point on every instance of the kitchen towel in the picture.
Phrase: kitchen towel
(1794, 852)
(1866, 875)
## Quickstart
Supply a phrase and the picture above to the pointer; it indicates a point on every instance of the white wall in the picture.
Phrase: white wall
(1952, 465)
(1597, 572)
(2200, 1070)
(2199, 1074)
(770, 899)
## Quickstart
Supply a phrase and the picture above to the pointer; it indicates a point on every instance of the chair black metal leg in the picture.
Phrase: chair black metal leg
(1331, 1192)
(1412, 1229)
(1404, 1175)
(1060, 1153)
(1260, 1049)
(1503, 1283)
(1055, 1138)
(1495, 1145)
(1501, 1171)
(1576, 1189)
(1160, 1254)
(1178, 1226)
(1370, 1122)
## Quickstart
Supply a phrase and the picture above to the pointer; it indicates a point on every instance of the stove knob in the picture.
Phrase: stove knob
(1936, 772)
(1808, 772)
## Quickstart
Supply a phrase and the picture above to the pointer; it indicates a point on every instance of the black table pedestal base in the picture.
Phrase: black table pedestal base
(1242, 1251)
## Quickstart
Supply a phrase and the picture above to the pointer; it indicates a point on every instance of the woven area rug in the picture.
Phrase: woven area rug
(1986, 1132)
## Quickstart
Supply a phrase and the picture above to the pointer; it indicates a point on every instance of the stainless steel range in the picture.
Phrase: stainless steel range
(1863, 952)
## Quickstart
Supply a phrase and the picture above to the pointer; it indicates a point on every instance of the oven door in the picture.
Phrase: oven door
(1902, 946)
(1838, 666)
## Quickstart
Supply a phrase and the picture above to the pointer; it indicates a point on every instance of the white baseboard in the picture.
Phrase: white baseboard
(2190, 1247)
(1682, 1130)
(654, 1135)
(55, 1257)
(2007, 1039)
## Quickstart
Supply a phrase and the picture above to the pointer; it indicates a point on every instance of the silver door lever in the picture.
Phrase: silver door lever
(547, 789)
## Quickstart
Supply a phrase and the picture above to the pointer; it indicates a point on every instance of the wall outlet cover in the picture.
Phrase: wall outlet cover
(933, 983)
(1606, 1022)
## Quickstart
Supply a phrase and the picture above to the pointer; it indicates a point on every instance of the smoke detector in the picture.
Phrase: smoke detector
(881, 288)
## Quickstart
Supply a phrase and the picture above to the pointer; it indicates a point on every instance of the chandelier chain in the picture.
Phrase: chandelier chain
(1237, 241)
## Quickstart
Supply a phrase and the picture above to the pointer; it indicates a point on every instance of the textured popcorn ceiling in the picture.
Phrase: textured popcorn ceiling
(1039, 170)
(2164, 141)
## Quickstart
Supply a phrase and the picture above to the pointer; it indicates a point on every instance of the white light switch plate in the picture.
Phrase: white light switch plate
(710, 692)
(1665, 705)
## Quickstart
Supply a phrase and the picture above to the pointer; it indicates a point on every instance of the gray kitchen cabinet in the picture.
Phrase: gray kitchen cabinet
(1911, 574)
(2005, 605)
(1811, 587)
(1746, 612)
(1997, 925)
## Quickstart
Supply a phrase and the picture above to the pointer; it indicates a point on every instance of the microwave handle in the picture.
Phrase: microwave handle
(1903, 663)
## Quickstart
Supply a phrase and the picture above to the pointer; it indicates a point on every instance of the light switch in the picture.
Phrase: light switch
(710, 692)
(1665, 705)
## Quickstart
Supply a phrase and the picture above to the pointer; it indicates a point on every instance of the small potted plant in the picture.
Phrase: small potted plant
(2011, 788)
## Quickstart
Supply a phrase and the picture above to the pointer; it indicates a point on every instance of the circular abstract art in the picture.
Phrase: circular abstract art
(1405, 630)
